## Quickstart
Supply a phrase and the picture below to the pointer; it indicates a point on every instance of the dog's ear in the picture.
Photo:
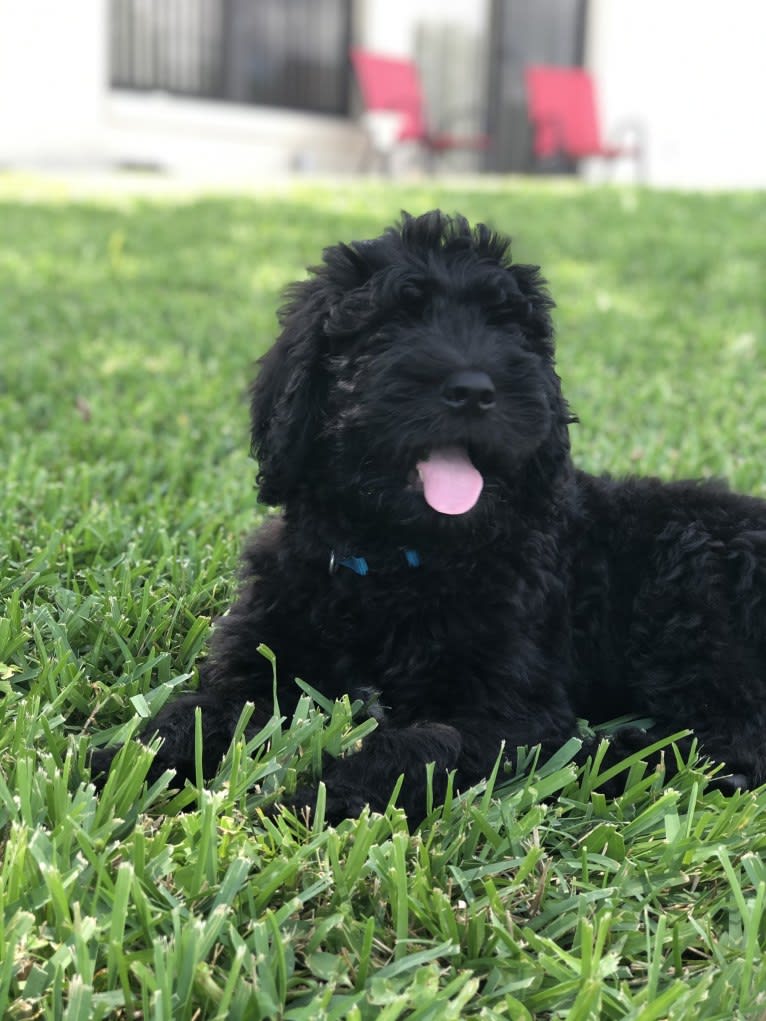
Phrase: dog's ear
(288, 393)
(536, 318)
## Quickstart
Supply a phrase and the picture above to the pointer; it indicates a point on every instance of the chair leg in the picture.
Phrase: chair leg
(430, 159)
(368, 155)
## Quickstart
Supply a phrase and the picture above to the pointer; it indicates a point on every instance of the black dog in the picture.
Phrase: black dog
(438, 548)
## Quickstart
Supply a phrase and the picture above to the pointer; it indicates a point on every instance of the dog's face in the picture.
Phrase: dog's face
(413, 383)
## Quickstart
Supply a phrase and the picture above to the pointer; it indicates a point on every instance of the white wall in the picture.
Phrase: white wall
(53, 71)
(694, 72)
(389, 25)
(211, 141)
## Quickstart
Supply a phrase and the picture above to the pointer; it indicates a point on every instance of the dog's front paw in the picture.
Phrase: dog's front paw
(340, 804)
(627, 740)
(100, 761)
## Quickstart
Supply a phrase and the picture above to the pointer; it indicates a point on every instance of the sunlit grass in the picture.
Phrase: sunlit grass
(128, 331)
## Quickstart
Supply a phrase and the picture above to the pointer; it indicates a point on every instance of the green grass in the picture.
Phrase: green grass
(127, 332)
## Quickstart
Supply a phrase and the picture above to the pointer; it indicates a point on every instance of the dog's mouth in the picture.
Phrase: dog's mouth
(448, 479)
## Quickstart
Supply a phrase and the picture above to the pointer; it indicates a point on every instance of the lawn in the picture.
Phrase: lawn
(128, 329)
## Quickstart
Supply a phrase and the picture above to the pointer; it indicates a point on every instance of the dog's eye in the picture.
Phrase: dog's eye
(510, 314)
(412, 295)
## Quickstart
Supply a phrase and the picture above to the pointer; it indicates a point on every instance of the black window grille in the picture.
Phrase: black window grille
(283, 53)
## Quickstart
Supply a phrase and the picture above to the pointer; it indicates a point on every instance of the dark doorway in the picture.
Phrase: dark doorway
(543, 32)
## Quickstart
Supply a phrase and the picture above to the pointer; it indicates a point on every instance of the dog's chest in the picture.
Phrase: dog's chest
(435, 640)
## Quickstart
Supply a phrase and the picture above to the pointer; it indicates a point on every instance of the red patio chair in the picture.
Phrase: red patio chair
(561, 105)
(392, 85)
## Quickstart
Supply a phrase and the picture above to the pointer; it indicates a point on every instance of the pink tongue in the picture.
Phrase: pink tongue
(451, 484)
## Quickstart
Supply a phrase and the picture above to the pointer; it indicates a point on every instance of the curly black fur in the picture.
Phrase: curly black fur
(559, 595)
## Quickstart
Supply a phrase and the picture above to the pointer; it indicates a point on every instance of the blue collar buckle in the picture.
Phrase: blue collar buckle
(360, 566)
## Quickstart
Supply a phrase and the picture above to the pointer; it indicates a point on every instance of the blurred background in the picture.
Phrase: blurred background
(671, 95)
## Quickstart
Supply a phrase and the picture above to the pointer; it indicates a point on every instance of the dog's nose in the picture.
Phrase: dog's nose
(469, 390)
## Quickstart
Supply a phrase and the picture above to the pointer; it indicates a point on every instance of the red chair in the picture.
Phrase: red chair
(392, 85)
(561, 105)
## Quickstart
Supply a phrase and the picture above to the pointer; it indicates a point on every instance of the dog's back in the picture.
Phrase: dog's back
(669, 610)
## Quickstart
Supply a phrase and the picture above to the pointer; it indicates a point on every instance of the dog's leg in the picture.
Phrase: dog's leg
(175, 725)
(234, 673)
(368, 777)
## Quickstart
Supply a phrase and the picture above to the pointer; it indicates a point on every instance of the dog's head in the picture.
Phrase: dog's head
(413, 382)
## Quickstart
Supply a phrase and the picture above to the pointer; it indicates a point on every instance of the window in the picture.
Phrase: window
(285, 53)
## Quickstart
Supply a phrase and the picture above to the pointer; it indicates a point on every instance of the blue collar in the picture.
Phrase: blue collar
(360, 566)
